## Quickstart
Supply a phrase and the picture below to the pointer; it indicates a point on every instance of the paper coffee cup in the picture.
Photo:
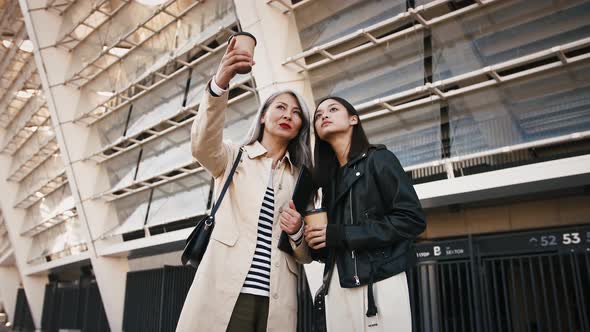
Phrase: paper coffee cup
(316, 217)
(246, 42)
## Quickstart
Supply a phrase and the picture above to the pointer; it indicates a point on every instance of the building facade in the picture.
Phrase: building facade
(485, 102)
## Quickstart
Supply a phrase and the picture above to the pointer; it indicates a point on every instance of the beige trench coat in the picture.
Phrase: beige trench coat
(222, 272)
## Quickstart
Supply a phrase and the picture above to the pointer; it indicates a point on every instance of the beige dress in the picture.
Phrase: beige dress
(346, 307)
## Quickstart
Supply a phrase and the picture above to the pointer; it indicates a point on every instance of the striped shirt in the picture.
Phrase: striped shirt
(258, 278)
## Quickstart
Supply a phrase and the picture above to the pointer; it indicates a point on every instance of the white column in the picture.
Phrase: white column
(34, 285)
(278, 38)
(9, 284)
(74, 139)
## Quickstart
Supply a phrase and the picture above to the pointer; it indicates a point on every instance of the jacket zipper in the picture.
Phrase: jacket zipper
(357, 281)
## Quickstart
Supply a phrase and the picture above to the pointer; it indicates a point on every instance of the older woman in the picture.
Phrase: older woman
(244, 283)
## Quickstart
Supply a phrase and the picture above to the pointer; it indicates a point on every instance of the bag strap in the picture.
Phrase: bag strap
(227, 182)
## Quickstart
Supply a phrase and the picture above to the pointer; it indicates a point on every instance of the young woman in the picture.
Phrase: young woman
(244, 283)
(373, 217)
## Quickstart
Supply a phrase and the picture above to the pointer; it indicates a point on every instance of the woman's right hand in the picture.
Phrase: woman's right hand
(233, 60)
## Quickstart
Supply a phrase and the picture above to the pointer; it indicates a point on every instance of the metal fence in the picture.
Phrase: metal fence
(161, 293)
(154, 298)
(529, 281)
(23, 321)
(73, 306)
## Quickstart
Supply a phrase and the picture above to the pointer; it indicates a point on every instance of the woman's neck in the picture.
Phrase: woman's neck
(341, 146)
(274, 149)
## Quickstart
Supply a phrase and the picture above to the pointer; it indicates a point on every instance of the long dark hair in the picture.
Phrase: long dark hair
(326, 162)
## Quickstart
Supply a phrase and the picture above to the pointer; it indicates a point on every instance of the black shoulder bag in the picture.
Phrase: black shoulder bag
(197, 241)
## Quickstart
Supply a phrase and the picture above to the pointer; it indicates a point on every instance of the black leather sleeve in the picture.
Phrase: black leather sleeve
(403, 217)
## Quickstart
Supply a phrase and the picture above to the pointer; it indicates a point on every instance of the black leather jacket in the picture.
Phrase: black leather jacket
(374, 216)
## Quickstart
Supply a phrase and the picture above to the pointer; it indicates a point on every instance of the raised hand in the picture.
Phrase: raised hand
(233, 60)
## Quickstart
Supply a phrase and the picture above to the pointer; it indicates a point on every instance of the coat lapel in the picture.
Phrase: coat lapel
(350, 177)
(344, 186)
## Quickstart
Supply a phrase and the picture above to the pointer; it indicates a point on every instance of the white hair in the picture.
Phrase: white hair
(299, 148)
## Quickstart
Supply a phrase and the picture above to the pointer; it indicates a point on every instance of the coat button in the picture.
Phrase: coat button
(277, 264)
(275, 296)
(358, 173)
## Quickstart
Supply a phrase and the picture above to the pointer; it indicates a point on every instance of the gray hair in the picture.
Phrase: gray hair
(299, 148)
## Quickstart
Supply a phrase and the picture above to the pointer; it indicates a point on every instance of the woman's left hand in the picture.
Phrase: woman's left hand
(315, 236)
(290, 219)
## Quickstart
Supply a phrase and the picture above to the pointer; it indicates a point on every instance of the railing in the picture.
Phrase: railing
(38, 118)
(80, 79)
(367, 38)
(69, 41)
(157, 76)
(46, 150)
(178, 120)
(516, 69)
(287, 5)
(42, 190)
(49, 222)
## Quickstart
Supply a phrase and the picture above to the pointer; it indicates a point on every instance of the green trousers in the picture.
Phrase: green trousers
(250, 314)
